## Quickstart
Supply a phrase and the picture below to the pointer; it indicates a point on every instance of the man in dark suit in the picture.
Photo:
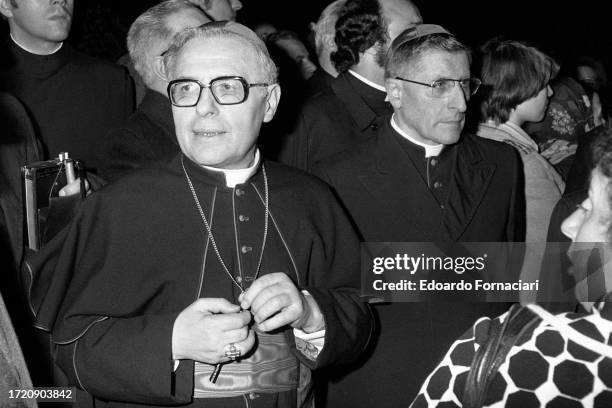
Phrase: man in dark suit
(72, 99)
(421, 179)
(148, 135)
(324, 31)
(353, 106)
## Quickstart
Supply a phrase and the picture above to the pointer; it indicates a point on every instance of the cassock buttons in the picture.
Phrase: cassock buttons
(374, 126)
(246, 249)
(239, 279)
(433, 162)
(239, 192)
(437, 184)
(253, 395)
(442, 206)
(243, 218)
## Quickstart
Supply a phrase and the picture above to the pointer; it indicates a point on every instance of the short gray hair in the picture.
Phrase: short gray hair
(409, 53)
(326, 25)
(222, 30)
(151, 29)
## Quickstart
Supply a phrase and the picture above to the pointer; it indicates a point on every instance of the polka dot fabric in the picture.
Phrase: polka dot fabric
(543, 369)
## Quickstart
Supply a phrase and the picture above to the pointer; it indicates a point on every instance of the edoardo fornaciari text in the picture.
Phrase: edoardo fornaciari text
(462, 285)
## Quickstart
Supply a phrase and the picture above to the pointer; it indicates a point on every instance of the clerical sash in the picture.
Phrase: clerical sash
(271, 368)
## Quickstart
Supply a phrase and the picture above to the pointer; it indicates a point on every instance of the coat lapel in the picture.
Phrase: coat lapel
(393, 179)
(360, 112)
(470, 181)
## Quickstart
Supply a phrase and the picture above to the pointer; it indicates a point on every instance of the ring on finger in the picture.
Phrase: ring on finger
(232, 351)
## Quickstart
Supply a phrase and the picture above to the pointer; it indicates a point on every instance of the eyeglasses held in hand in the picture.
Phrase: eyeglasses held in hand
(441, 88)
(227, 90)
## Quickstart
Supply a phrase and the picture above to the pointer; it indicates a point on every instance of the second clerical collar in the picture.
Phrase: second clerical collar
(430, 150)
(26, 49)
(367, 81)
(234, 177)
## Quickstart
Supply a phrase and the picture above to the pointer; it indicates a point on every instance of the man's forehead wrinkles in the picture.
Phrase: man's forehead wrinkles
(440, 66)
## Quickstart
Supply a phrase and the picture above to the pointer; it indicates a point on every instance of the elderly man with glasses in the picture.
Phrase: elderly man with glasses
(421, 179)
(214, 279)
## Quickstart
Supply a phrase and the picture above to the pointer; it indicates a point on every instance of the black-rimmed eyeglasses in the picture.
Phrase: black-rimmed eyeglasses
(227, 90)
(441, 88)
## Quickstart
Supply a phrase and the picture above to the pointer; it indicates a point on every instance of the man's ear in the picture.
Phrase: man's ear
(272, 99)
(158, 67)
(330, 42)
(6, 9)
(394, 92)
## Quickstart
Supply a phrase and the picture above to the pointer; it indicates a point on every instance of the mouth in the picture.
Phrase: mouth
(454, 122)
(208, 133)
(61, 14)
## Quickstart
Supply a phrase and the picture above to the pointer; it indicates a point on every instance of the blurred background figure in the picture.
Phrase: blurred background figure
(295, 66)
(148, 135)
(73, 99)
(214, 10)
(591, 73)
(325, 43)
(14, 374)
(219, 10)
(354, 105)
(288, 43)
(568, 117)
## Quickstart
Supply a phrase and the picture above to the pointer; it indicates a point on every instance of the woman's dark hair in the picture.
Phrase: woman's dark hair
(360, 25)
(511, 73)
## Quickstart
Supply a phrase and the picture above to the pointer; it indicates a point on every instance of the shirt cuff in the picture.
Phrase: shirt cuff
(309, 344)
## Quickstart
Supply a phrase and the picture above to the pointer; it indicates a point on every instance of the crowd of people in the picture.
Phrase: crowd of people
(207, 252)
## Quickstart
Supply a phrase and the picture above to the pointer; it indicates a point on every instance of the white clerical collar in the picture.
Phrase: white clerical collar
(367, 81)
(23, 47)
(238, 176)
(430, 150)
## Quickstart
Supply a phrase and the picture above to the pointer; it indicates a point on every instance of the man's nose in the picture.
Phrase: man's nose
(458, 98)
(571, 224)
(207, 105)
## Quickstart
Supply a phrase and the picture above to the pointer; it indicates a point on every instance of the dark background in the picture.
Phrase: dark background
(563, 29)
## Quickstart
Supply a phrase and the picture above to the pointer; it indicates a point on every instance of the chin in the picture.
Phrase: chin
(449, 139)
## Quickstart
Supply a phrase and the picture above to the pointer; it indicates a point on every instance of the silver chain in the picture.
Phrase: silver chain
(209, 230)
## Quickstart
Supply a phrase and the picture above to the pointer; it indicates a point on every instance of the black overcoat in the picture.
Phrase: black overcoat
(389, 201)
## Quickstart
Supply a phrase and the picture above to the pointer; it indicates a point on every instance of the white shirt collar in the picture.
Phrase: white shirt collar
(23, 47)
(367, 81)
(430, 150)
(238, 176)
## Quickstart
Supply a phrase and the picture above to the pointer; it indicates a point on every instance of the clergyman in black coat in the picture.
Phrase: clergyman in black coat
(421, 179)
(354, 105)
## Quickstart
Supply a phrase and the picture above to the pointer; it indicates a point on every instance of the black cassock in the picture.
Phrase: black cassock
(137, 254)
